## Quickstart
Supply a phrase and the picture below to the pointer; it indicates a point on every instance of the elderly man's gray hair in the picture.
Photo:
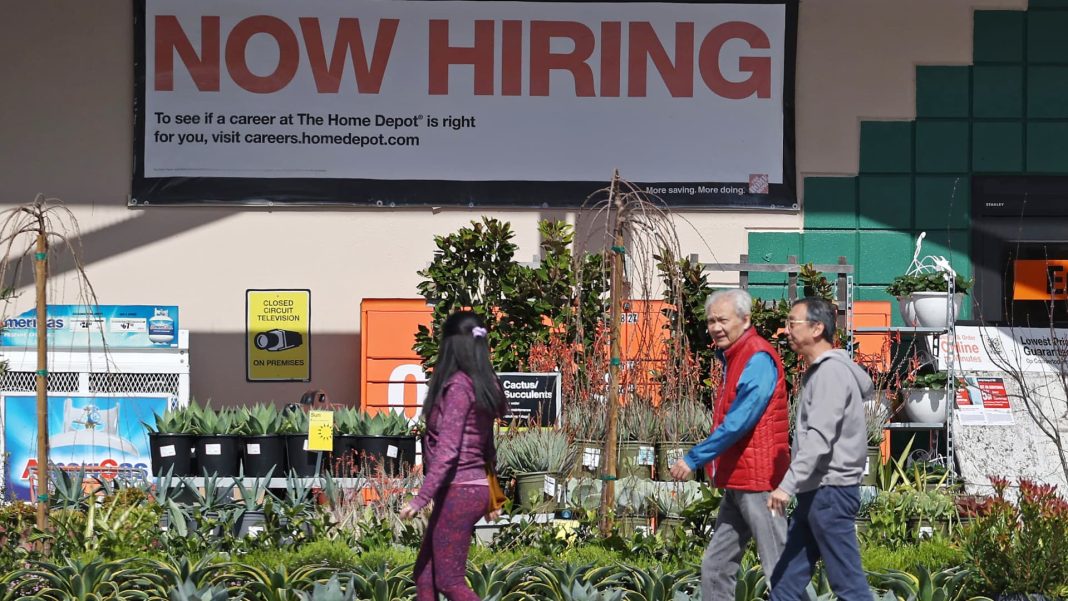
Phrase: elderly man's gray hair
(740, 299)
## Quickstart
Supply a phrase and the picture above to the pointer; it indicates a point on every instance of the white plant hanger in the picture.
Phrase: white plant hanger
(929, 263)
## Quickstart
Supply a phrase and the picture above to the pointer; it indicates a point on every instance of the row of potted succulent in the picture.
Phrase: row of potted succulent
(651, 438)
(255, 441)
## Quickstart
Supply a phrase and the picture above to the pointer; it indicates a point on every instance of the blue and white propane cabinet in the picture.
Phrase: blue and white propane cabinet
(109, 368)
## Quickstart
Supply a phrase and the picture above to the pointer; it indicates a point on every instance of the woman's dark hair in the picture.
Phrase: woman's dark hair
(464, 348)
(820, 311)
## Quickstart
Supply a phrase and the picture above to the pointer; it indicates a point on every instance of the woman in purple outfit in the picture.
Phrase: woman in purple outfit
(463, 400)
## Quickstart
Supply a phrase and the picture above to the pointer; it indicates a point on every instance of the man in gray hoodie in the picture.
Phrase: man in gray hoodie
(829, 448)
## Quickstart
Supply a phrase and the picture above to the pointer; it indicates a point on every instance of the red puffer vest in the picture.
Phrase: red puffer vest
(759, 460)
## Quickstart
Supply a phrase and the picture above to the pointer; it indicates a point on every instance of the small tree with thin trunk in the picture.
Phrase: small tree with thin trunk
(44, 227)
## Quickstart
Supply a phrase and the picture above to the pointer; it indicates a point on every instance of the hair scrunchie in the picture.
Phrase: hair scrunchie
(478, 332)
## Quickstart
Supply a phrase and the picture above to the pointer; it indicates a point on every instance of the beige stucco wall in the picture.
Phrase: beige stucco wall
(66, 83)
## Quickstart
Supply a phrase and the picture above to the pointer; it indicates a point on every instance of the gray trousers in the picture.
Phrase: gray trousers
(742, 515)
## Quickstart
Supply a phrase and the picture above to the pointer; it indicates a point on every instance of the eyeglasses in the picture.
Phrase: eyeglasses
(790, 323)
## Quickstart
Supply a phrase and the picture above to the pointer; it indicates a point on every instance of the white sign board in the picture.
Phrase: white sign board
(1035, 350)
(692, 100)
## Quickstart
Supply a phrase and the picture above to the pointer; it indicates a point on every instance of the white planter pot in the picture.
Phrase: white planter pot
(907, 308)
(926, 405)
(931, 308)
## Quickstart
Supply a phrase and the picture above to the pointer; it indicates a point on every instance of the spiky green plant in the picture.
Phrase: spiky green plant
(491, 580)
(386, 423)
(330, 591)
(79, 580)
(634, 496)
(68, 489)
(294, 422)
(671, 498)
(383, 582)
(535, 450)
(576, 582)
(279, 583)
(639, 420)
(262, 420)
(684, 420)
(187, 591)
(586, 420)
(179, 420)
(348, 421)
(654, 584)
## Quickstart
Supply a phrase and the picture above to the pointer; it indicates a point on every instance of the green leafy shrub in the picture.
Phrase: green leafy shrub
(934, 554)
(904, 285)
(1020, 547)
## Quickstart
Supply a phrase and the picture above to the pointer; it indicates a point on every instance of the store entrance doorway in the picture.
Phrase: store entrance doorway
(1020, 250)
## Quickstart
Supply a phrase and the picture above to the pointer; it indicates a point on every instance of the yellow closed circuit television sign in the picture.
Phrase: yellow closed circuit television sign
(278, 335)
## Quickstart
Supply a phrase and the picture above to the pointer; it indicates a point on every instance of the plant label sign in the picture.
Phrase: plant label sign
(533, 398)
(320, 430)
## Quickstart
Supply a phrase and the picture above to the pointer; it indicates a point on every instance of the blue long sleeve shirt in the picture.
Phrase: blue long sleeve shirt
(755, 387)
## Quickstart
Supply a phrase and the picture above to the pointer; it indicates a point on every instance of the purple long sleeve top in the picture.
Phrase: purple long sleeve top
(458, 442)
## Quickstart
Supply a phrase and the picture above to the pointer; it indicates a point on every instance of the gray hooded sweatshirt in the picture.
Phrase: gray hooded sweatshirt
(830, 440)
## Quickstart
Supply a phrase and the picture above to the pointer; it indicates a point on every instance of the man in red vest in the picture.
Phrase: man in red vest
(748, 452)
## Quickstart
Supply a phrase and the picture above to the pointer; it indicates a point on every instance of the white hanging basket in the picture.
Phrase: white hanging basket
(930, 308)
(907, 308)
(926, 405)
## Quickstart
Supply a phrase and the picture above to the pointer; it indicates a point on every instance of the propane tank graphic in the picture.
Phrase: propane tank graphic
(161, 327)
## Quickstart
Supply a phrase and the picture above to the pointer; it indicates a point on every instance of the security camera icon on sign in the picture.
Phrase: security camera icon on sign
(278, 340)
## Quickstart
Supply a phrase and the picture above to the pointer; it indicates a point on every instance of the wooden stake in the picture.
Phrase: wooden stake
(41, 275)
(608, 487)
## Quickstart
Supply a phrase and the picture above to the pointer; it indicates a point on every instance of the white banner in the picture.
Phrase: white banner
(1039, 350)
(689, 95)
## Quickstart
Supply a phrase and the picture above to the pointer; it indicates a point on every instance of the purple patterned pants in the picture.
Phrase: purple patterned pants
(442, 562)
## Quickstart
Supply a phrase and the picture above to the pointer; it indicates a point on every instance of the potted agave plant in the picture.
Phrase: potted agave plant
(218, 447)
(301, 461)
(634, 504)
(263, 445)
(639, 429)
(684, 423)
(172, 441)
(348, 428)
(538, 459)
(584, 421)
(670, 499)
(386, 440)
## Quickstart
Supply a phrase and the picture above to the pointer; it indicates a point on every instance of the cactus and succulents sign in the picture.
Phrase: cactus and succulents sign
(532, 396)
(105, 434)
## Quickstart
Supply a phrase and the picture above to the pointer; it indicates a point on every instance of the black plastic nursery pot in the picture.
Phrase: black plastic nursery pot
(345, 460)
(173, 452)
(219, 455)
(263, 453)
(250, 523)
(302, 461)
(392, 454)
